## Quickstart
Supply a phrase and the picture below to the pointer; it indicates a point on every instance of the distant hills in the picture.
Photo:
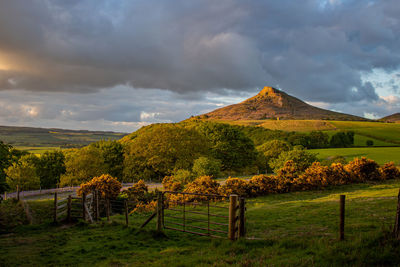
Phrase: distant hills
(392, 118)
(271, 103)
(42, 137)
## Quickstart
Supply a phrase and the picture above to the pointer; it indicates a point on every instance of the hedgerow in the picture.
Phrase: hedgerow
(288, 179)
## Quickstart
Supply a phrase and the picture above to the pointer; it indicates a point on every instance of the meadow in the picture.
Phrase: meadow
(383, 134)
(292, 229)
(380, 154)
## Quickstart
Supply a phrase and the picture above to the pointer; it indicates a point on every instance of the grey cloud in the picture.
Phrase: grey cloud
(311, 50)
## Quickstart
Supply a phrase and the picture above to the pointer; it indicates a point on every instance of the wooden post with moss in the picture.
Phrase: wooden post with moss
(126, 212)
(342, 216)
(160, 211)
(97, 204)
(242, 209)
(83, 206)
(108, 208)
(396, 230)
(55, 208)
(232, 217)
(69, 206)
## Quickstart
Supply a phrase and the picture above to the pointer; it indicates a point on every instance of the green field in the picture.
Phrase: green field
(293, 229)
(38, 140)
(383, 134)
(380, 154)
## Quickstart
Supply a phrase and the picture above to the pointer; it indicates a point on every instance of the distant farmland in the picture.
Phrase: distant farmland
(39, 139)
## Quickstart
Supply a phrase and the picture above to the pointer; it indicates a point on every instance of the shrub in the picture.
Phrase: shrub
(340, 174)
(235, 186)
(315, 176)
(170, 184)
(301, 158)
(203, 185)
(286, 175)
(263, 184)
(107, 186)
(204, 166)
(183, 176)
(389, 171)
(363, 169)
(369, 143)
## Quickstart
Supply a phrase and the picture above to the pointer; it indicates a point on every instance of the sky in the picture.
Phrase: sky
(121, 64)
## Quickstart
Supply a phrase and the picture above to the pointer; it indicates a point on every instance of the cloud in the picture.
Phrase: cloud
(188, 46)
(182, 57)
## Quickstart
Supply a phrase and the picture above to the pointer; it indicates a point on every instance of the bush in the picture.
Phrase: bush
(170, 184)
(340, 174)
(183, 176)
(389, 171)
(204, 166)
(369, 143)
(301, 158)
(363, 169)
(203, 185)
(315, 177)
(107, 186)
(12, 214)
(235, 186)
(263, 184)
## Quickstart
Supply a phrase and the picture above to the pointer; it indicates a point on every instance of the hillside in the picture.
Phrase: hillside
(272, 103)
(392, 118)
(28, 137)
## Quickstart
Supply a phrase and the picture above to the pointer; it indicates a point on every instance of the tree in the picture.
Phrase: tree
(162, 148)
(369, 143)
(229, 145)
(300, 158)
(82, 165)
(112, 153)
(23, 174)
(301, 139)
(272, 149)
(342, 139)
(318, 139)
(204, 166)
(5, 157)
(50, 167)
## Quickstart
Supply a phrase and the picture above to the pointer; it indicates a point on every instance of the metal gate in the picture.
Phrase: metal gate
(202, 214)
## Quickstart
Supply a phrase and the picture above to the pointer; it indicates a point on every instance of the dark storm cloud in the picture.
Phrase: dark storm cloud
(313, 49)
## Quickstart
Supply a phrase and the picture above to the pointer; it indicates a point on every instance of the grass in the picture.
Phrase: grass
(380, 154)
(294, 229)
(387, 133)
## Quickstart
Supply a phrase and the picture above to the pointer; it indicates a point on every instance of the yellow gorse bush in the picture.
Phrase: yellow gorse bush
(107, 186)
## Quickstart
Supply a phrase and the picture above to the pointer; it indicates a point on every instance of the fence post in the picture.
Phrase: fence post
(396, 230)
(5, 195)
(108, 209)
(232, 216)
(83, 206)
(126, 212)
(159, 211)
(242, 209)
(342, 215)
(69, 204)
(55, 208)
(97, 204)
(18, 192)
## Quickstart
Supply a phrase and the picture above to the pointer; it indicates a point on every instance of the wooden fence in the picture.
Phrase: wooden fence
(201, 214)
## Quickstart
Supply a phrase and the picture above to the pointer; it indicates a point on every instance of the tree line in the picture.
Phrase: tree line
(182, 150)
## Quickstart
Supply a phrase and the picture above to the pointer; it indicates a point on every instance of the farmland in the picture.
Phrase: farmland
(302, 226)
(387, 133)
(380, 154)
(38, 140)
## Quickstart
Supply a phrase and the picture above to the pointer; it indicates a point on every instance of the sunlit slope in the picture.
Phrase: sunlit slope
(381, 133)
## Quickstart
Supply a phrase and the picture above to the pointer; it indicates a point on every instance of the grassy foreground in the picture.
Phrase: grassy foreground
(294, 229)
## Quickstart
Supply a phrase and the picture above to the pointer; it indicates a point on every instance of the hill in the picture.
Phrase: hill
(30, 137)
(271, 103)
(392, 118)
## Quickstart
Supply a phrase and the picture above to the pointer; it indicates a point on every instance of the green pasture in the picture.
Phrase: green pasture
(380, 154)
(293, 229)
